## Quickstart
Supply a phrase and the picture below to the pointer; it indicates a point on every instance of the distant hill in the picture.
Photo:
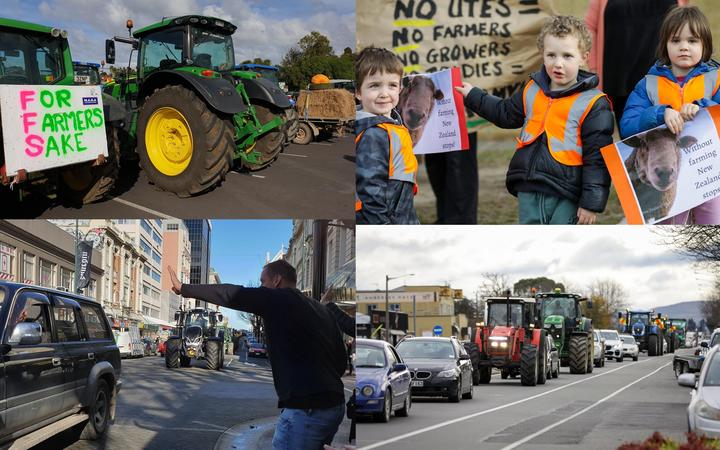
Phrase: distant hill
(684, 310)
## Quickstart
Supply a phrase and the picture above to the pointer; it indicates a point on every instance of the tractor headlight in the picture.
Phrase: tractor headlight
(503, 345)
(447, 374)
(367, 391)
(706, 411)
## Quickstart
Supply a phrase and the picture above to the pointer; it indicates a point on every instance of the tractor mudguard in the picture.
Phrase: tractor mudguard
(218, 92)
(263, 90)
(114, 110)
(536, 337)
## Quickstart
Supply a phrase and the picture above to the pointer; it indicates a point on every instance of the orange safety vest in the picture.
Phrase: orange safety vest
(560, 118)
(403, 165)
(664, 91)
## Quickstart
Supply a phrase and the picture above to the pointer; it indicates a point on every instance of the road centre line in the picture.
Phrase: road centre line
(142, 208)
(258, 176)
(497, 408)
(550, 427)
(293, 154)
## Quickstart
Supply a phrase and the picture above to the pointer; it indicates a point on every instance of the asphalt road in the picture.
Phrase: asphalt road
(619, 403)
(306, 181)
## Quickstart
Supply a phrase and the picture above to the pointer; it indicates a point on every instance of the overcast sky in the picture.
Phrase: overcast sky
(266, 28)
(651, 273)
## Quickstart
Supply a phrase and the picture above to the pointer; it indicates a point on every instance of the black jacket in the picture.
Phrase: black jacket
(345, 322)
(532, 168)
(306, 347)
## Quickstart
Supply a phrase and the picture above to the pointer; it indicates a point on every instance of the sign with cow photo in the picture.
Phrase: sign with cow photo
(658, 175)
(433, 112)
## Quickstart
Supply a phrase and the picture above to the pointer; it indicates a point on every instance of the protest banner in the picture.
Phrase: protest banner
(433, 112)
(51, 126)
(492, 42)
(658, 175)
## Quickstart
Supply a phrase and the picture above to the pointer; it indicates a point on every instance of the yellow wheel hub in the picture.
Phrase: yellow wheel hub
(169, 141)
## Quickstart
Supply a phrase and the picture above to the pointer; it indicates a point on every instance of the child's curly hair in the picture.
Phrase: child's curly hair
(561, 26)
(374, 59)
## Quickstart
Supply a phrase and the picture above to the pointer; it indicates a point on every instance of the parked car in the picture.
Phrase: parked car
(613, 345)
(599, 341)
(630, 347)
(59, 364)
(438, 366)
(257, 349)
(382, 380)
(703, 413)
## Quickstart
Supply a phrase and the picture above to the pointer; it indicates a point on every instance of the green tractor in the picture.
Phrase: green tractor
(39, 55)
(193, 116)
(679, 326)
(562, 317)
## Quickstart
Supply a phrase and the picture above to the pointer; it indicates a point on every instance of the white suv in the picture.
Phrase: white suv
(613, 345)
(630, 347)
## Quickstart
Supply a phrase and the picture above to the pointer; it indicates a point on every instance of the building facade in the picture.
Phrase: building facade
(176, 254)
(199, 231)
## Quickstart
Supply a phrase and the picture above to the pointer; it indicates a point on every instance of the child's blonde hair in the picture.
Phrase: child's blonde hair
(374, 59)
(673, 22)
(561, 26)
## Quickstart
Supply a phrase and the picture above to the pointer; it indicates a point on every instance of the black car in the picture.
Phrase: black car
(438, 366)
(59, 363)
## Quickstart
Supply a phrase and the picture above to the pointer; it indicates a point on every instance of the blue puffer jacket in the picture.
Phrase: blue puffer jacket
(641, 114)
(384, 200)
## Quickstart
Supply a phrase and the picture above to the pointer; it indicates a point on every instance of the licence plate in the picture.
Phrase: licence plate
(417, 383)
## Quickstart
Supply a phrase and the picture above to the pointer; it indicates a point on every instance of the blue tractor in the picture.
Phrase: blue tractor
(647, 328)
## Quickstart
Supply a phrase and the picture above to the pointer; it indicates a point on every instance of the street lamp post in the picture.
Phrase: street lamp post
(387, 303)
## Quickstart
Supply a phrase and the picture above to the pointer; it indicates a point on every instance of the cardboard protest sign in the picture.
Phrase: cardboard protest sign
(433, 112)
(492, 42)
(51, 126)
(659, 175)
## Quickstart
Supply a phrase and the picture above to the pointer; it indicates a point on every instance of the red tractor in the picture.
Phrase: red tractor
(510, 341)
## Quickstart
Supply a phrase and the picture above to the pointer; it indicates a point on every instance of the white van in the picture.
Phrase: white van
(129, 343)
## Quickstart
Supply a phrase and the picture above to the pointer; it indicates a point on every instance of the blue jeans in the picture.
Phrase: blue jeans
(307, 429)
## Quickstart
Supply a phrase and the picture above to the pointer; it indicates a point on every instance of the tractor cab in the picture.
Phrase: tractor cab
(87, 73)
(33, 54)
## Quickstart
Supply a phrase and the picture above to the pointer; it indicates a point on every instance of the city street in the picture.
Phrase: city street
(290, 187)
(618, 403)
(191, 408)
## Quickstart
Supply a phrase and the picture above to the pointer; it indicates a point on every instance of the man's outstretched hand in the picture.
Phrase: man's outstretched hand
(176, 284)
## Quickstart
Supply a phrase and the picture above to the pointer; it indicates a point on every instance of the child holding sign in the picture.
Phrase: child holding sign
(386, 166)
(677, 86)
(557, 172)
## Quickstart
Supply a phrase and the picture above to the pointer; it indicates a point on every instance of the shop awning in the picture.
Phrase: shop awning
(157, 322)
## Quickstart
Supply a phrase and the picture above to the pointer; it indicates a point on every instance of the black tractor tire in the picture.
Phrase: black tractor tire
(578, 354)
(213, 142)
(529, 365)
(455, 397)
(270, 144)
(99, 412)
(82, 184)
(472, 350)
(213, 355)
(486, 374)
(405, 410)
(172, 353)
(542, 362)
(384, 416)
(653, 345)
(304, 135)
(590, 357)
(292, 124)
(504, 374)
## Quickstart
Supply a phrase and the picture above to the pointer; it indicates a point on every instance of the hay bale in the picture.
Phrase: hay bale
(327, 104)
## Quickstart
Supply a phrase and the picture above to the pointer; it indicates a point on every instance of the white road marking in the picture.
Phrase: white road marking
(229, 362)
(322, 143)
(258, 176)
(142, 208)
(210, 425)
(550, 427)
(487, 411)
(293, 154)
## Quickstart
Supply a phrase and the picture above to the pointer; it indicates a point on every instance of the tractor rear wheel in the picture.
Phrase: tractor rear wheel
(590, 355)
(486, 374)
(542, 361)
(304, 134)
(269, 144)
(213, 355)
(653, 345)
(292, 124)
(472, 350)
(578, 354)
(81, 184)
(529, 365)
(172, 353)
(184, 147)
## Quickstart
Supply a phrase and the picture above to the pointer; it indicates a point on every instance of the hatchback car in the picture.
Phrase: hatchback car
(438, 367)
(599, 342)
(59, 364)
(613, 345)
(257, 349)
(703, 413)
(630, 347)
(383, 380)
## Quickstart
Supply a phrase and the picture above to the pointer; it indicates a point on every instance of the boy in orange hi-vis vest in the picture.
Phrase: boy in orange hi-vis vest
(386, 167)
(557, 171)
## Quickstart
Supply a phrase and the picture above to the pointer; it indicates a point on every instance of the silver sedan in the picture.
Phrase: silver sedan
(704, 409)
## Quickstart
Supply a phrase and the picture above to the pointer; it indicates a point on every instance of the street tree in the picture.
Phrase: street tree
(493, 284)
(611, 292)
(691, 325)
(702, 326)
(600, 313)
(313, 54)
(700, 242)
(525, 286)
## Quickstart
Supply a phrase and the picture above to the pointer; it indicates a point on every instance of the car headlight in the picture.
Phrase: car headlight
(447, 373)
(367, 391)
(702, 409)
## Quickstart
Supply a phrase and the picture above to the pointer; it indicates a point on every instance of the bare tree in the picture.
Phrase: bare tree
(493, 284)
(700, 242)
(711, 307)
(611, 292)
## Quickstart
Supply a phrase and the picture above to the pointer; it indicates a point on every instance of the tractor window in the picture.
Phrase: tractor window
(30, 58)
(642, 318)
(211, 50)
(497, 314)
(161, 50)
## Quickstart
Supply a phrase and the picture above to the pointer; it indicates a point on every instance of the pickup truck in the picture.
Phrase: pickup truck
(693, 363)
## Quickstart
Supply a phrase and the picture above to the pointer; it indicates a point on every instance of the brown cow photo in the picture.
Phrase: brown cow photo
(653, 167)
(417, 100)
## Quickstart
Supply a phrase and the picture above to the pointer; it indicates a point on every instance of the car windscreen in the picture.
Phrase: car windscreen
(628, 339)
(415, 348)
(712, 376)
(609, 335)
(369, 356)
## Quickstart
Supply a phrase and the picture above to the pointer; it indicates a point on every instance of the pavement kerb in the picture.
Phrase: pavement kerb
(247, 435)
